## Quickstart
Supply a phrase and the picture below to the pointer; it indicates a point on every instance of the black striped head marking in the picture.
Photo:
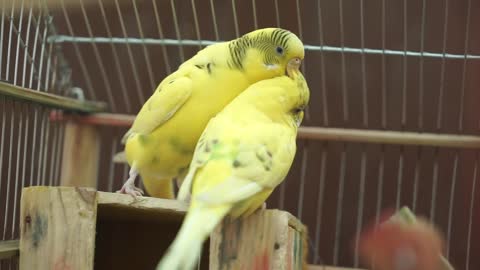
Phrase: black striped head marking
(276, 45)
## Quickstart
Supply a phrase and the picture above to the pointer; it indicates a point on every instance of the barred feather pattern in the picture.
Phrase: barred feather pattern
(263, 42)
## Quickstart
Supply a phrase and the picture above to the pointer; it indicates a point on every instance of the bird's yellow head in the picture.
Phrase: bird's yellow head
(265, 53)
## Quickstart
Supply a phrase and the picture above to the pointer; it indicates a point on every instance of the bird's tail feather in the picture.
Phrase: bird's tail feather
(184, 252)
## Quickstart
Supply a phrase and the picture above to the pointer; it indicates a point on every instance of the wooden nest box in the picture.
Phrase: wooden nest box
(67, 228)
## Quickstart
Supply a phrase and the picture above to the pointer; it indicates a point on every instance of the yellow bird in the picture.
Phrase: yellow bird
(243, 154)
(159, 146)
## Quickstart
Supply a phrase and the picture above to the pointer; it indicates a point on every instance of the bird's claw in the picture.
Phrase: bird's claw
(131, 190)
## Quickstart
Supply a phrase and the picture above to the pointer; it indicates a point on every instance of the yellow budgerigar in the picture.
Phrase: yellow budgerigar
(159, 146)
(243, 154)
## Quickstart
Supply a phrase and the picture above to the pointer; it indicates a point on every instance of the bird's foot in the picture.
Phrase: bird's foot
(129, 186)
(131, 189)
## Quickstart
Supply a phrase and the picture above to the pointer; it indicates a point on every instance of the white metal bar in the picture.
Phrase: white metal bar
(177, 31)
(42, 53)
(34, 138)
(41, 148)
(197, 25)
(99, 59)
(321, 193)
(439, 113)
(344, 65)
(9, 170)
(254, 11)
(361, 196)
(214, 20)
(9, 48)
(421, 77)
(144, 47)
(116, 58)
(46, 149)
(364, 68)
(34, 53)
(235, 19)
(338, 219)
(471, 211)
(308, 47)
(303, 175)
(381, 174)
(1, 36)
(139, 91)
(17, 171)
(322, 67)
(19, 37)
(166, 61)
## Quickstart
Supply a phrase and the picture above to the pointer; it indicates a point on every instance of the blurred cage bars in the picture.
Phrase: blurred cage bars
(382, 65)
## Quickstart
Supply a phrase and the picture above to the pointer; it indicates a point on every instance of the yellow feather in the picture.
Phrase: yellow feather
(162, 140)
(243, 154)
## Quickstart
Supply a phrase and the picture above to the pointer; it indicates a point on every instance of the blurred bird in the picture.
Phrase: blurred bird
(397, 245)
(159, 146)
(243, 154)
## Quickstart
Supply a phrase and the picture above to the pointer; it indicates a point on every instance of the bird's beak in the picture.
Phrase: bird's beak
(293, 67)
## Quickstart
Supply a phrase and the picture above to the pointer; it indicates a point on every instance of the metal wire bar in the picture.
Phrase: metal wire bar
(254, 11)
(322, 67)
(9, 170)
(214, 20)
(303, 174)
(42, 52)
(325, 48)
(34, 53)
(99, 59)
(197, 25)
(9, 46)
(364, 68)
(361, 196)
(78, 53)
(319, 213)
(343, 65)
(177, 32)
(166, 61)
(1, 36)
(46, 149)
(381, 173)
(472, 205)
(17, 170)
(461, 117)
(116, 58)
(34, 138)
(439, 114)
(235, 19)
(41, 148)
(338, 219)
(144, 47)
(139, 91)
(19, 37)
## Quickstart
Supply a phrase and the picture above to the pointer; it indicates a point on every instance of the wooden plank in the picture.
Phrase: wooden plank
(327, 134)
(81, 155)
(9, 248)
(57, 228)
(51, 100)
(268, 239)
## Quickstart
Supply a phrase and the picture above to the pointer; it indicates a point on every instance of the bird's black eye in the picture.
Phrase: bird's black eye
(279, 50)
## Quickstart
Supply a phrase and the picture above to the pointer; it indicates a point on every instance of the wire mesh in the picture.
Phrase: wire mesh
(387, 65)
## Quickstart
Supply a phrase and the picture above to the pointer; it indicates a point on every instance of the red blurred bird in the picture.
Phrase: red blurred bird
(398, 245)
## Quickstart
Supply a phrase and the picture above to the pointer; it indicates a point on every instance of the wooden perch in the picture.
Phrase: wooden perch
(8, 249)
(80, 228)
(317, 133)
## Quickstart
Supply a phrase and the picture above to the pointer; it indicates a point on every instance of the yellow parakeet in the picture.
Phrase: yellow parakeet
(243, 154)
(160, 144)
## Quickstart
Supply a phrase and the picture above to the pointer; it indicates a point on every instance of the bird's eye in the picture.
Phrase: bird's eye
(279, 50)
